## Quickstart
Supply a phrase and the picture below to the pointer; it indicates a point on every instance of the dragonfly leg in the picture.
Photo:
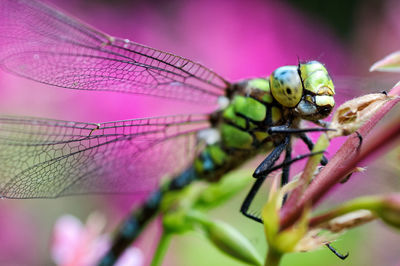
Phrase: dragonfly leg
(287, 130)
(249, 199)
(257, 184)
(271, 158)
(261, 174)
(286, 169)
(360, 141)
(340, 256)
(301, 134)
(286, 166)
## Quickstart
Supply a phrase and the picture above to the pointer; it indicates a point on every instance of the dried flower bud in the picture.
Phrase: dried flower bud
(349, 220)
(351, 115)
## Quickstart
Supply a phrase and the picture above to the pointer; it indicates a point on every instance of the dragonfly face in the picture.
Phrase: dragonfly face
(317, 99)
(307, 88)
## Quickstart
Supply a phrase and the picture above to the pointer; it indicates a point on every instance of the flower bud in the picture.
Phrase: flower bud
(389, 210)
(231, 242)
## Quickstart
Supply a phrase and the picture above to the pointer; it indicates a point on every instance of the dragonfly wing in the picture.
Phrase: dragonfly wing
(42, 158)
(43, 44)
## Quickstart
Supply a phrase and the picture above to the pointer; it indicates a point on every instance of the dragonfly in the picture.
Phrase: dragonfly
(46, 158)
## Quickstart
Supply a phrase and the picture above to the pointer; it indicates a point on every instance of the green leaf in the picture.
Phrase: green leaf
(218, 193)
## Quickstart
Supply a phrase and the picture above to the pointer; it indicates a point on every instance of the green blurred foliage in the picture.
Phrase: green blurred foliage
(339, 14)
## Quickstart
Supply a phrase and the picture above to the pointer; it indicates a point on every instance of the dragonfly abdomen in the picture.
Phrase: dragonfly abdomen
(138, 220)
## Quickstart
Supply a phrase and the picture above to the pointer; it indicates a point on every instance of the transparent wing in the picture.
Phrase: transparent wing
(43, 44)
(42, 158)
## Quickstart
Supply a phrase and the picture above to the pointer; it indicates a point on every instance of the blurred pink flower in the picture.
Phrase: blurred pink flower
(17, 236)
(75, 244)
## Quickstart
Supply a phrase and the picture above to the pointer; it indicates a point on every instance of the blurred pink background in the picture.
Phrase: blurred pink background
(235, 38)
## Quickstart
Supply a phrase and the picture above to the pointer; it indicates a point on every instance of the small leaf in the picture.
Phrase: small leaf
(287, 240)
(270, 213)
(390, 63)
(219, 192)
(281, 242)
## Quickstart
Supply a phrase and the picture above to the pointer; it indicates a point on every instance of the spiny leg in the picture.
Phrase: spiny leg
(271, 158)
(340, 256)
(287, 130)
(360, 141)
(266, 167)
(324, 161)
(266, 164)
(257, 184)
(261, 174)
(286, 167)
(301, 133)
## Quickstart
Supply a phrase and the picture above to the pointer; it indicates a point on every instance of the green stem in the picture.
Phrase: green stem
(198, 217)
(273, 258)
(161, 249)
(371, 203)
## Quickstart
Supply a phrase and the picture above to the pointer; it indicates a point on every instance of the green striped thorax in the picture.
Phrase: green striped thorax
(292, 92)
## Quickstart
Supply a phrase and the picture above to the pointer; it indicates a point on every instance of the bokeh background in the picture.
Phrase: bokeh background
(237, 39)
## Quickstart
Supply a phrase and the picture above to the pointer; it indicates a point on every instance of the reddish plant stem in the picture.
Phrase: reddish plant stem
(343, 162)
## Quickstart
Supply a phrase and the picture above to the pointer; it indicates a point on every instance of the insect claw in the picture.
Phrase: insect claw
(360, 140)
(340, 256)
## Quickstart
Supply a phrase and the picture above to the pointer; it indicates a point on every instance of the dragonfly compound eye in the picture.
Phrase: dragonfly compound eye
(319, 87)
(286, 86)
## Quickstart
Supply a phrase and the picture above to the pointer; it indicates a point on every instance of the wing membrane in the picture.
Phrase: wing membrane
(43, 44)
(42, 158)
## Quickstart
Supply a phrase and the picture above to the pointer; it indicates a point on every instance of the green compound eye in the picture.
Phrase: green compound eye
(286, 86)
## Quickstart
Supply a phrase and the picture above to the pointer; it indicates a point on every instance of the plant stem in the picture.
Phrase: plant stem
(364, 203)
(161, 249)
(344, 161)
(273, 258)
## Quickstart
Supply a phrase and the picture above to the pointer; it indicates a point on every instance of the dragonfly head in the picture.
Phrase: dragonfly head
(307, 88)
